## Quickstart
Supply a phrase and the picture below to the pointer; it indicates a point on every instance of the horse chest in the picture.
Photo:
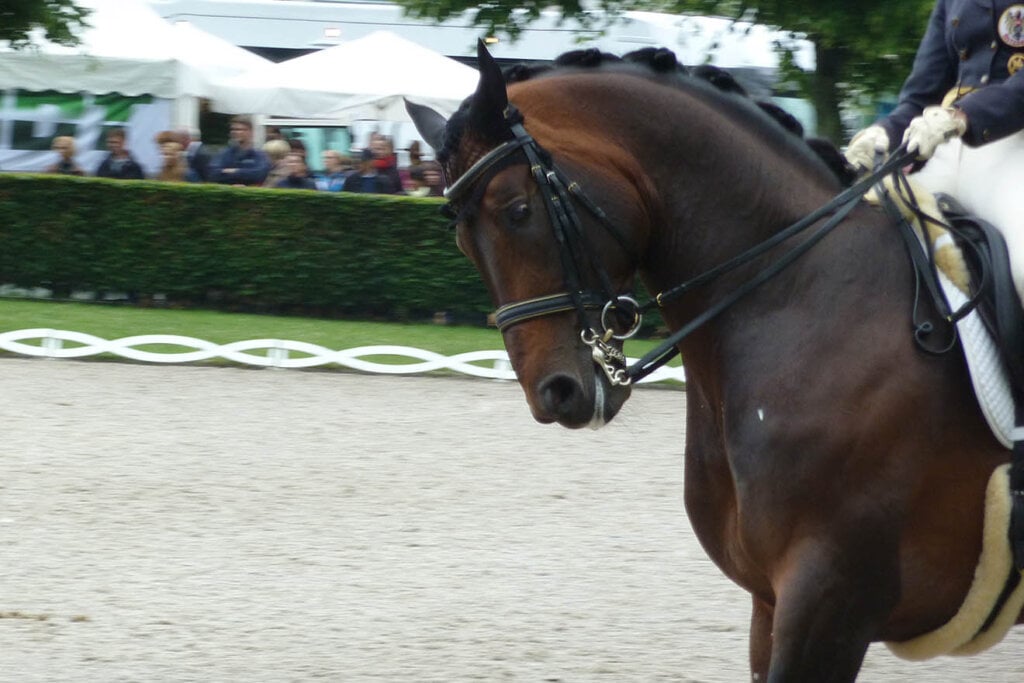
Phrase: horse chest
(715, 503)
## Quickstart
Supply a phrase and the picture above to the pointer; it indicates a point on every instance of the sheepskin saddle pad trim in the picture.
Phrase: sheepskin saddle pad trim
(987, 613)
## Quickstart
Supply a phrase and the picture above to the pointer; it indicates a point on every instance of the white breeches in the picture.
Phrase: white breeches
(989, 182)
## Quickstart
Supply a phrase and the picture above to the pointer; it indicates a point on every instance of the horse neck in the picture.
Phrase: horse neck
(850, 285)
(712, 181)
(719, 186)
(728, 188)
(713, 175)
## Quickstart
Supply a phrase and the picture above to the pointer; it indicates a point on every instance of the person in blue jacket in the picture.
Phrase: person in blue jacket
(119, 163)
(962, 110)
(240, 163)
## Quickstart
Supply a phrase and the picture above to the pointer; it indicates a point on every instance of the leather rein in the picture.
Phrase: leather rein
(620, 314)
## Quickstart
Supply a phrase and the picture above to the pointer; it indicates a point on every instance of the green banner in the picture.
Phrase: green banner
(29, 121)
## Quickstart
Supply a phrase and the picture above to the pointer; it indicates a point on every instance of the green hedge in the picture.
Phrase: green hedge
(236, 248)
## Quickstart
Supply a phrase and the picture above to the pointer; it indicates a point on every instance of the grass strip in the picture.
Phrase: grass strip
(114, 321)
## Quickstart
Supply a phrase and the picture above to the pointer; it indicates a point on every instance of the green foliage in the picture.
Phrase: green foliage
(876, 39)
(236, 248)
(512, 17)
(60, 20)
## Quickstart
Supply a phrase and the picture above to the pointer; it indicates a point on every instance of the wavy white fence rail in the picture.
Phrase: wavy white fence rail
(275, 353)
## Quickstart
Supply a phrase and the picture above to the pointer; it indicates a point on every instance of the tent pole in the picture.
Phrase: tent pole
(186, 112)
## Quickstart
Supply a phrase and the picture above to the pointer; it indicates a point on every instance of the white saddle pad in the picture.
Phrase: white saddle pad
(991, 386)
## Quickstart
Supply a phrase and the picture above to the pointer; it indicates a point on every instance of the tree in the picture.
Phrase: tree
(861, 46)
(59, 20)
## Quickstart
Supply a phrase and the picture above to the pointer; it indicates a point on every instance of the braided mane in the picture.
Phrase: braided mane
(658, 61)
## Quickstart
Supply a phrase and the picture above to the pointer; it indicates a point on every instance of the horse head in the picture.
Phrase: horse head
(558, 268)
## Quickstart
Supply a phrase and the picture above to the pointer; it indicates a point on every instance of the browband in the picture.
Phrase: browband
(480, 166)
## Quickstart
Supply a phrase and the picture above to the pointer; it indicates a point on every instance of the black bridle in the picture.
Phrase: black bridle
(558, 194)
(576, 258)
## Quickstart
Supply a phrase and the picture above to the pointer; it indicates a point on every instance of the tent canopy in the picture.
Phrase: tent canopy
(362, 79)
(128, 49)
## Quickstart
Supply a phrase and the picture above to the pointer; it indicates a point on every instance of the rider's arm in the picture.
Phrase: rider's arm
(994, 111)
(932, 76)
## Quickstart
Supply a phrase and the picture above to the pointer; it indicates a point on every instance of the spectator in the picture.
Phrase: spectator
(175, 168)
(298, 175)
(417, 186)
(196, 156)
(335, 172)
(119, 163)
(240, 163)
(415, 161)
(415, 154)
(297, 145)
(64, 145)
(433, 177)
(367, 178)
(385, 160)
(420, 174)
(276, 150)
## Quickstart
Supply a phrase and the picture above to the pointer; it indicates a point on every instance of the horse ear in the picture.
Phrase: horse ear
(490, 99)
(428, 122)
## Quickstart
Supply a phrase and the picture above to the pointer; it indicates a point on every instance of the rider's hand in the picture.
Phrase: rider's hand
(862, 148)
(933, 127)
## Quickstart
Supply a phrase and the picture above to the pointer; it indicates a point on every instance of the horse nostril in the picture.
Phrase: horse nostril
(561, 395)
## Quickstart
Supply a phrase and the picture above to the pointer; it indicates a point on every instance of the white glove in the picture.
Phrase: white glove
(861, 150)
(933, 127)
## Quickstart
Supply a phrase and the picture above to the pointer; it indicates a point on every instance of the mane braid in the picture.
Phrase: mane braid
(706, 81)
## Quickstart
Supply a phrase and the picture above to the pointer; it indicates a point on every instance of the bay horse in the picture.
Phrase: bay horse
(832, 469)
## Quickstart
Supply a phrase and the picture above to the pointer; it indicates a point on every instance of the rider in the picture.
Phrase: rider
(966, 89)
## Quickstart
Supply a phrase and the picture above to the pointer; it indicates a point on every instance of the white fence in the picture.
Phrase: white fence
(276, 353)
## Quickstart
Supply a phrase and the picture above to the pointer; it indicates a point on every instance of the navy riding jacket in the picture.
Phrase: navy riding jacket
(969, 44)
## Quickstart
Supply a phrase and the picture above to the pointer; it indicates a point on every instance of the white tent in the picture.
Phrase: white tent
(212, 57)
(128, 51)
(131, 50)
(362, 79)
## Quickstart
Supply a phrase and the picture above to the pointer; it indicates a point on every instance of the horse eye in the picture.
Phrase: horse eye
(517, 213)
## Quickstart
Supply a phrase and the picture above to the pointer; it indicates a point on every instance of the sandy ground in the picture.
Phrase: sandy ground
(222, 524)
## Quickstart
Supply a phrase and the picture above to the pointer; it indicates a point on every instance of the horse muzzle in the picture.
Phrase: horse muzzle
(574, 401)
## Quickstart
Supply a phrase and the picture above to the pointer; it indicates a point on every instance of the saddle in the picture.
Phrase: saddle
(964, 265)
